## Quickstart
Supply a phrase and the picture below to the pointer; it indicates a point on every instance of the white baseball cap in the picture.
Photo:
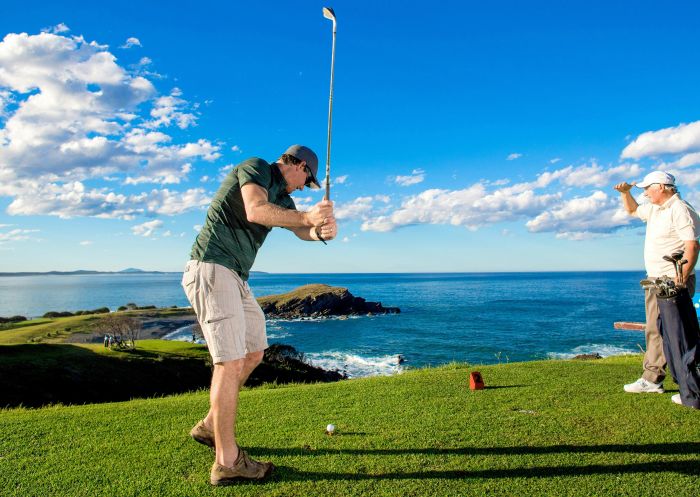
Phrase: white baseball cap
(661, 177)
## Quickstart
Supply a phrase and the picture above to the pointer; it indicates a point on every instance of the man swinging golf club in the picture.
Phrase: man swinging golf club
(251, 200)
(672, 226)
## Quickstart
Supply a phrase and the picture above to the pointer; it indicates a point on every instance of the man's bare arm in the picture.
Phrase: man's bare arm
(690, 253)
(258, 210)
(628, 201)
(328, 231)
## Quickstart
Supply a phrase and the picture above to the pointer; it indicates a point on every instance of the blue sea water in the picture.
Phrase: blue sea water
(468, 317)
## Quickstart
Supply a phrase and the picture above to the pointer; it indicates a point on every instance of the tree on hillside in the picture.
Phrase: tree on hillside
(125, 329)
(197, 333)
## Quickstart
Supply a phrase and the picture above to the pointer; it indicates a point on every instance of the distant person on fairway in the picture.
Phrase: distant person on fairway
(251, 200)
(672, 226)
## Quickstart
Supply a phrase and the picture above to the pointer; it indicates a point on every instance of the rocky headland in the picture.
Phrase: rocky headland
(320, 301)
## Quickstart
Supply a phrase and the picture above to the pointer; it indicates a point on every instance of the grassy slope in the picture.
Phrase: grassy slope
(55, 330)
(544, 428)
(40, 374)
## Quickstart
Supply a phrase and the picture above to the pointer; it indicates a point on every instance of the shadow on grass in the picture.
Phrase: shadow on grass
(679, 448)
(692, 467)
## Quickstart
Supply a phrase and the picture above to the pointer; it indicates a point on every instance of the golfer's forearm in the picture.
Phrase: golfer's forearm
(629, 203)
(269, 214)
(690, 254)
(306, 234)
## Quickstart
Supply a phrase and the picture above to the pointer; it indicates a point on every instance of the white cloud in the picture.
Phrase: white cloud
(147, 229)
(236, 148)
(471, 207)
(197, 227)
(341, 179)
(687, 160)
(514, 156)
(555, 160)
(675, 140)
(582, 217)
(131, 42)
(16, 235)
(86, 242)
(74, 200)
(416, 176)
(57, 29)
(484, 203)
(171, 109)
(596, 175)
(70, 113)
(345, 239)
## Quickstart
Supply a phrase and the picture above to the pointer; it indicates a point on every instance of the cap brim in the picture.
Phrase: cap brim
(314, 184)
(642, 184)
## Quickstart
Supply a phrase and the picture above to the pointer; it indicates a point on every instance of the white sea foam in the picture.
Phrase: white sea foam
(356, 366)
(593, 348)
(183, 334)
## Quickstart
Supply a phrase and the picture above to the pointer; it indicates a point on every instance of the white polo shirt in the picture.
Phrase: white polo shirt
(668, 226)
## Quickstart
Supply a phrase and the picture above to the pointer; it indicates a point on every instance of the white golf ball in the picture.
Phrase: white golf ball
(330, 428)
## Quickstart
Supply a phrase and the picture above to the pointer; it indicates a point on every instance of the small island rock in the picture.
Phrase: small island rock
(320, 301)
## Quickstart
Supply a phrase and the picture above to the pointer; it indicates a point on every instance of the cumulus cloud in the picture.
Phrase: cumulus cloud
(171, 110)
(484, 204)
(57, 29)
(555, 160)
(471, 207)
(687, 160)
(131, 42)
(341, 179)
(675, 140)
(73, 199)
(86, 243)
(147, 229)
(514, 156)
(416, 176)
(69, 113)
(582, 217)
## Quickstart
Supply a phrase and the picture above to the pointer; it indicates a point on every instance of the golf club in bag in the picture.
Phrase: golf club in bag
(679, 329)
(678, 325)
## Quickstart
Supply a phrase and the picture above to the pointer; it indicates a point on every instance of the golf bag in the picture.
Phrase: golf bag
(678, 324)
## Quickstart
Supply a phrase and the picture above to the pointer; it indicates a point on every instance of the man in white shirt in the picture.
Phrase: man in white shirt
(672, 226)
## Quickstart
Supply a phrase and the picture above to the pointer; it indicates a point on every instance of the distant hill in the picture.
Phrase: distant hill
(82, 271)
(129, 270)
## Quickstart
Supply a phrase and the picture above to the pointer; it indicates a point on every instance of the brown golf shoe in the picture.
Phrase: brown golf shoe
(203, 435)
(243, 469)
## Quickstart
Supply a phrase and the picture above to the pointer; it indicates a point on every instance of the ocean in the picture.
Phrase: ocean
(479, 318)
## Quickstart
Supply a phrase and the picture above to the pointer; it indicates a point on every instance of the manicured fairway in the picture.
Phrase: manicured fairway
(542, 428)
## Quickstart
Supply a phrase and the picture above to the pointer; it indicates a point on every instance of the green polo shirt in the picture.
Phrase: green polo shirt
(227, 237)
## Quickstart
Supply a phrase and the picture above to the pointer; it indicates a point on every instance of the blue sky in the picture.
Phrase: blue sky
(467, 136)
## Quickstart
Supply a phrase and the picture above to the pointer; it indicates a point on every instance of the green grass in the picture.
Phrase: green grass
(543, 428)
(56, 330)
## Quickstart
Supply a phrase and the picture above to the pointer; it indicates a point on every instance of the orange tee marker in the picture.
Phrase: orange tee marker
(476, 382)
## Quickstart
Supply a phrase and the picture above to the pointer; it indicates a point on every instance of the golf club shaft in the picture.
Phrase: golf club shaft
(330, 109)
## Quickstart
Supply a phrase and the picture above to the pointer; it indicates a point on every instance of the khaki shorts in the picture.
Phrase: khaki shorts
(231, 319)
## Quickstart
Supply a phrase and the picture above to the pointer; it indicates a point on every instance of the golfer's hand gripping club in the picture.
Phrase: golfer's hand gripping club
(321, 217)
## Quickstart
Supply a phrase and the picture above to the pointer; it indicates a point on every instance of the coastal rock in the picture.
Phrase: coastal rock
(588, 357)
(320, 301)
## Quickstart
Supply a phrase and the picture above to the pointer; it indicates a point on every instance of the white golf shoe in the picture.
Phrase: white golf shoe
(677, 399)
(644, 386)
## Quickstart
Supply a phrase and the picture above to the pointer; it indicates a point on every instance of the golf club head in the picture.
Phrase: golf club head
(669, 258)
(677, 255)
(328, 13)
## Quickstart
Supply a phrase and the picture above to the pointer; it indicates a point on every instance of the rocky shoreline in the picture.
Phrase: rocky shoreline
(317, 300)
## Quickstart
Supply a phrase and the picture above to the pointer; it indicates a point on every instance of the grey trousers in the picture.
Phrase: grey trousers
(654, 359)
